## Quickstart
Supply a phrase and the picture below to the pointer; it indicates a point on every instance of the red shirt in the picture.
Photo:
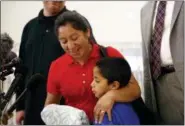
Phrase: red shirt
(72, 80)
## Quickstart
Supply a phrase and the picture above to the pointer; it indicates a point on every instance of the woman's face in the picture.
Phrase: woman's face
(100, 84)
(74, 42)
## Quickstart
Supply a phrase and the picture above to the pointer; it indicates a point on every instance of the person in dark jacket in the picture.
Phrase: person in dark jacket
(39, 47)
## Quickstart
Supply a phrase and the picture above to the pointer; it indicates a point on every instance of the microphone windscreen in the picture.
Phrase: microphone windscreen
(35, 80)
(11, 55)
(21, 70)
(6, 44)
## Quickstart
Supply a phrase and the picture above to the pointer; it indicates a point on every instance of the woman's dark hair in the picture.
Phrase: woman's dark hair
(76, 20)
(115, 69)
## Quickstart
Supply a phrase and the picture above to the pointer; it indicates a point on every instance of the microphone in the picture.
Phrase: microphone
(5, 73)
(6, 44)
(14, 63)
(8, 95)
(13, 87)
(7, 69)
(11, 55)
(32, 83)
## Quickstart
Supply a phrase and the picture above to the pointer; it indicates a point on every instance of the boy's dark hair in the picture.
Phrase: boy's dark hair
(72, 17)
(115, 69)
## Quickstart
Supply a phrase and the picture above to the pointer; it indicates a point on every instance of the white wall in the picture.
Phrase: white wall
(15, 14)
(112, 21)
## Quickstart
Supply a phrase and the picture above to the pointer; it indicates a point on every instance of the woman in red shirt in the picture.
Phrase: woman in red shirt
(70, 76)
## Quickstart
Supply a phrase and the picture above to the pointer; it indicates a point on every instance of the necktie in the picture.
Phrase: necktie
(155, 45)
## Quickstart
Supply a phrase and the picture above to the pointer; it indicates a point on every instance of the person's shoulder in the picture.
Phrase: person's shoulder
(124, 113)
(146, 5)
(124, 106)
(30, 23)
(118, 113)
(62, 60)
(113, 52)
(119, 108)
(33, 20)
(118, 105)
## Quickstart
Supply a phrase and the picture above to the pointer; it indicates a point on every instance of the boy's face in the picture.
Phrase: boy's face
(100, 84)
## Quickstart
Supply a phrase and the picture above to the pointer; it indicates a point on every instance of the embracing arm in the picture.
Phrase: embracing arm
(127, 94)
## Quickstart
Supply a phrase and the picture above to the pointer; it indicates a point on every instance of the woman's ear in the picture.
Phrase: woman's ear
(115, 85)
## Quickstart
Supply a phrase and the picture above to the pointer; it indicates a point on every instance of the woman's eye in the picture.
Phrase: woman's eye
(63, 41)
(97, 81)
(74, 38)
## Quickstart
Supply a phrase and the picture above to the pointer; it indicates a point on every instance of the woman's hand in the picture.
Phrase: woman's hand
(104, 104)
(20, 117)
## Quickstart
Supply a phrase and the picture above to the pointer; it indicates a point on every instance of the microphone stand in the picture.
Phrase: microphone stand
(37, 78)
(1, 99)
(2, 79)
(1, 93)
(5, 98)
(8, 114)
(5, 73)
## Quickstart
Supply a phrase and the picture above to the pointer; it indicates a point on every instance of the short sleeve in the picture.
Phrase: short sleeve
(53, 86)
(112, 52)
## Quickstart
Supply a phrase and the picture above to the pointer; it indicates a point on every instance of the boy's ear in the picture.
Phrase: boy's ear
(115, 85)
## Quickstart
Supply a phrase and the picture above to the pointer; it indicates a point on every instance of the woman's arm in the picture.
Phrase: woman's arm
(52, 99)
(105, 121)
(131, 91)
(126, 94)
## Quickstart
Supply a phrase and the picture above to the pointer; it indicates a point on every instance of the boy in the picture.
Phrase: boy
(112, 74)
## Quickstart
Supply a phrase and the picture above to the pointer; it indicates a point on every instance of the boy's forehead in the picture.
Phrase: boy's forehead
(96, 71)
